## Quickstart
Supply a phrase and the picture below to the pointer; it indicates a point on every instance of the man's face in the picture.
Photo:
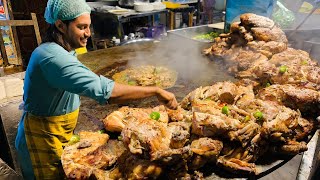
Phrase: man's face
(78, 31)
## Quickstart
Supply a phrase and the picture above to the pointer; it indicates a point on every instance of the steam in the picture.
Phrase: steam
(184, 56)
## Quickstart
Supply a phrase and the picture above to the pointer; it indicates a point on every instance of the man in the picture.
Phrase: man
(53, 82)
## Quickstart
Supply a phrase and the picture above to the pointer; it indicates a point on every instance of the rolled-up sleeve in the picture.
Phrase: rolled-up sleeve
(67, 73)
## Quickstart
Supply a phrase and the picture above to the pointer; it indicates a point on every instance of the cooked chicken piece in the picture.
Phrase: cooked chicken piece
(267, 72)
(172, 157)
(306, 76)
(99, 174)
(204, 124)
(267, 48)
(291, 148)
(241, 159)
(253, 20)
(279, 123)
(180, 134)
(133, 167)
(247, 82)
(245, 134)
(179, 115)
(269, 109)
(115, 147)
(294, 97)
(79, 161)
(146, 137)
(235, 27)
(287, 124)
(212, 107)
(260, 71)
(151, 139)
(204, 150)
(223, 92)
(206, 147)
(236, 40)
(244, 60)
(292, 57)
(207, 106)
(117, 120)
(220, 45)
(262, 28)
(193, 96)
(269, 34)
(245, 94)
(236, 165)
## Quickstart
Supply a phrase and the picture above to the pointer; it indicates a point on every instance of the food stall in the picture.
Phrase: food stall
(215, 72)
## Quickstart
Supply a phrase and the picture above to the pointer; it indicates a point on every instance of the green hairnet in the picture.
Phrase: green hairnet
(65, 10)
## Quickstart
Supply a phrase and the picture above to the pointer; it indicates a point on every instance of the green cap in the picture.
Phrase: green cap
(65, 10)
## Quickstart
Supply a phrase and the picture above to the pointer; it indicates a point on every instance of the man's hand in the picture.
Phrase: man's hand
(122, 93)
(167, 98)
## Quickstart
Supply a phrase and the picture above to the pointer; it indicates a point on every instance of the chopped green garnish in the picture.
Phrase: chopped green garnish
(132, 83)
(125, 77)
(225, 110)
(268, 84)
(74, 139)
(247, 118)
(102, 131)
(208, 36)
(156, 70)
(158, 83)
(258, 115)
(155, 115)
(304, 62)
(283, 69)
(120, 138)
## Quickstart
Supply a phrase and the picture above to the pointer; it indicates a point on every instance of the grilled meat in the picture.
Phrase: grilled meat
(179, 115)
(204, 124)
(117, 120)
(180, 134)
(204, 150)
(146, 137)
(133, 167)
(290, 147)
(293, 96)
(292, 57)
(80, 161)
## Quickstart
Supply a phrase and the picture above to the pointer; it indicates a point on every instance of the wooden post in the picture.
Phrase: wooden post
(190, 19)
(13, 31)
(3, 50)
(36, 27)
(172, 20)
(12, 24)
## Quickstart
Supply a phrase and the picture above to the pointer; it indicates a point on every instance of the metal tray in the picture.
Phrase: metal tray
(190, 32)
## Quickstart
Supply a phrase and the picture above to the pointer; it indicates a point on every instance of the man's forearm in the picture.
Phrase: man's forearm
(122, 93)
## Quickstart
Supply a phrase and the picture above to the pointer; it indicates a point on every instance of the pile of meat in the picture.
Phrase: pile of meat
(224, 124)
(258, 50)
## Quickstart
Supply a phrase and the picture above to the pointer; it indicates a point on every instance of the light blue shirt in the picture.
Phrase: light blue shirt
(54, 80)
